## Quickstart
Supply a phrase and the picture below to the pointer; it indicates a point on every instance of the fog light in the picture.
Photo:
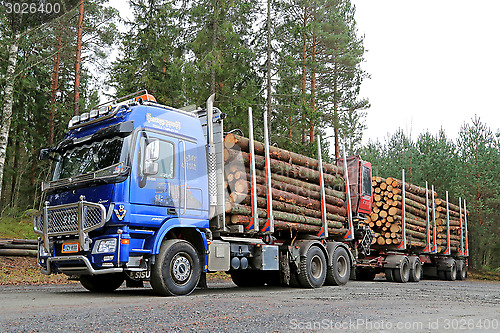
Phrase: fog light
(105, 245)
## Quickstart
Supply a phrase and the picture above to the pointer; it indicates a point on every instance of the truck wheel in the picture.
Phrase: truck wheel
(248, 278)
(339, 270)
(402, 274)
(365, 275)
(388, 275)
(451, 273)
(312, 268)
(442, 275)
(177, 269)
(415, 269)
(461, 270)
(102, 283)
(294, 280)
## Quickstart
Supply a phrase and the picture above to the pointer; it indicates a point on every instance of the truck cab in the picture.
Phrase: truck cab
(127, 174)
(360, 185)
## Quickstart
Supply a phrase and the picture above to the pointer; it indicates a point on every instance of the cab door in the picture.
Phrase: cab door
(155, 176)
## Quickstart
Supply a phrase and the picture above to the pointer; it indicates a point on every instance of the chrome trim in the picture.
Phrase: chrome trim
(88, 269)
(83, 224)
(253, 192)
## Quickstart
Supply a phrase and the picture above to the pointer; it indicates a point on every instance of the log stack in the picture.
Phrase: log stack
(296, 191)
(386, 217)
(442, 225)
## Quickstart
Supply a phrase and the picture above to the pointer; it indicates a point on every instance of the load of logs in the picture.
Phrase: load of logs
(296, 191)
(386, 218)
(457, 234)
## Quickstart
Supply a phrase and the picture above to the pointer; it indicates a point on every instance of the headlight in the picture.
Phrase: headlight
(105, 246)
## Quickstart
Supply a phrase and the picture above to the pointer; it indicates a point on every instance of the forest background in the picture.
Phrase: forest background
(301, 60)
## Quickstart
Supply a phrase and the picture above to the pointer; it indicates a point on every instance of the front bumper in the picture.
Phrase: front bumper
(80, 266)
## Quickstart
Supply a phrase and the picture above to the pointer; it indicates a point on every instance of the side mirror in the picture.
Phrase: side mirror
(44, 154)
(150, 168)
(152, 150)
(151, 155)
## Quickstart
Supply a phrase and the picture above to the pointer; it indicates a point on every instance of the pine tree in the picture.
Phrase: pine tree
(479, 184)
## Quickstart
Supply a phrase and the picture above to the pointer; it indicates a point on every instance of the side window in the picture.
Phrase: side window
(366, 182)
(165, 160)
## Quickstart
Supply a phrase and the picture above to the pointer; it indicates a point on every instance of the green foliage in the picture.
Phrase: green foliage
(184, 54)
(467, 168)
(318, 64)
(32, 90)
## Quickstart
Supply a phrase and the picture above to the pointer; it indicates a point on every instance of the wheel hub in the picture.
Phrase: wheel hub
(342, 266)
(316, 267)
(181, 268)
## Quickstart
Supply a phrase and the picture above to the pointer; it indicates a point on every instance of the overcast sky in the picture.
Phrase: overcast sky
(432, 63)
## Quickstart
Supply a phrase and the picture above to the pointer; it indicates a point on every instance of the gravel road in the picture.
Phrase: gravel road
(378, 306)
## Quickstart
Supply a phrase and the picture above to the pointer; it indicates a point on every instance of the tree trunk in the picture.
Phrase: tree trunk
(283, 168)
(53, 91)
(304, 74)
(76, 100)
(285, 225)
(237, 209)
(8, 102)
(16, 169)
(280, 154)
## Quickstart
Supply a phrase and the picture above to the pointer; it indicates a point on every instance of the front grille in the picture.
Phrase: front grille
(64, 219)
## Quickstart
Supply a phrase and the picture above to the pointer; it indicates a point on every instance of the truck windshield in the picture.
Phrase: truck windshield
(90, 157)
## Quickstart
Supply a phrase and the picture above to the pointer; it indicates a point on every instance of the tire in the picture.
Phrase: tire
(461, 270)
(294, 279)
(312, 268)
(402, 274)
(451, 274)
(442, 275)
(365, 275)
(102, 283)
(415, 269)
(339, 270)
(177, 269)
(248, 278)
(388, 275)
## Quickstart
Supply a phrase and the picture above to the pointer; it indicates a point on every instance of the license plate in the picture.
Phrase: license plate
(70, 247)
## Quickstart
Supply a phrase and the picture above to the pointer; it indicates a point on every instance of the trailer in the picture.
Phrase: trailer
(424, 235)
(146, 192)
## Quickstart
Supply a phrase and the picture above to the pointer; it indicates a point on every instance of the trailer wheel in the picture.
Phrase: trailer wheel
(451, 273)
(402, 274)
(312, 268)
(177, 269)
(339, 270)
(415, 269)
(102, 283)
(388, 275)
(461, 270)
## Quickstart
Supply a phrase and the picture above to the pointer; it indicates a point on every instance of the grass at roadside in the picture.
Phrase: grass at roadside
(17, 227)
(483, 275)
